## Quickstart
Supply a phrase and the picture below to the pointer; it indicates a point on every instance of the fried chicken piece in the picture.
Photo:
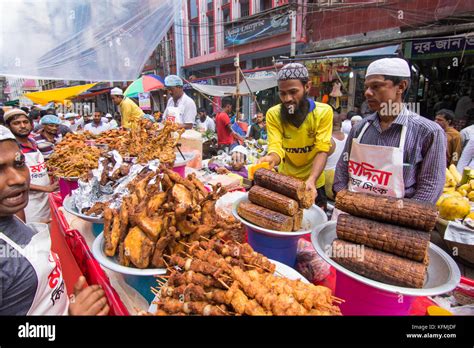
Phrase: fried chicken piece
(199, 185)
(156, 202)
(96, 209)
(152, 226)
(123, 259)
(166, 182)
(138, 247)
(112, 238)
(108, 219)
(176, 178)
(141, 186)
(134, 201)
(124, 217)
(104, 176)
(182, 196)
(125, 169)
(186, 227)
(157, 259)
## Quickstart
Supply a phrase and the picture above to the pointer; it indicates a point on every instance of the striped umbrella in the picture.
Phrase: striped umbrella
(146, 83)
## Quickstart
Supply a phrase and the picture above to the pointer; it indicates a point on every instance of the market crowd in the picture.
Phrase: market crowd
(390, 151)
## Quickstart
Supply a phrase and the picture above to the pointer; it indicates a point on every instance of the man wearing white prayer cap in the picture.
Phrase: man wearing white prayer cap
(299, 132)
(131, 113)
(394, 151)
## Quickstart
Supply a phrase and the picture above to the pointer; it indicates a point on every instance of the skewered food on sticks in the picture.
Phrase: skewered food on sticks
(206, 274)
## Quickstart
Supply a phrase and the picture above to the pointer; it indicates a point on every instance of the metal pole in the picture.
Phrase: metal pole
(237, 81)
(293, 33)
(254, 97)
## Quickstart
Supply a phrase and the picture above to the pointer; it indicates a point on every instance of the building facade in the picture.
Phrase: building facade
(214, 32)
(3, 89)
(436, 37)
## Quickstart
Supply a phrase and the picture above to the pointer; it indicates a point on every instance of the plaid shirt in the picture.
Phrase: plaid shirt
(424, 158)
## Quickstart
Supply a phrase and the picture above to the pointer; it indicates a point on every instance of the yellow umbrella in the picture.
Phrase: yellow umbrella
(57, 95)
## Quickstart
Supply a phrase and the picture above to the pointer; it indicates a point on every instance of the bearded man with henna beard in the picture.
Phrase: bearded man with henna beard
(299, 132)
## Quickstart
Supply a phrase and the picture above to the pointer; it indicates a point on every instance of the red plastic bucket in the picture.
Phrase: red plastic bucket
(66, 186)
(361, 299)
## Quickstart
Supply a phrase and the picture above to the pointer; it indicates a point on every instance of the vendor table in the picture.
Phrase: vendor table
(72, 239)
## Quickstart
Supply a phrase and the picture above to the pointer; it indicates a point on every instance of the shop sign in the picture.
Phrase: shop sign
(446, 46)
(227, 80)
(260, 74)
(199, 82)
(245, 32)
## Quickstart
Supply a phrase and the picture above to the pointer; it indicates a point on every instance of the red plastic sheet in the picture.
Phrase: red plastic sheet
(78, 260)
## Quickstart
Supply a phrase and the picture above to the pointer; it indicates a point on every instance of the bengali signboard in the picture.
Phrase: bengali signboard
(440, 47)
(244, 32)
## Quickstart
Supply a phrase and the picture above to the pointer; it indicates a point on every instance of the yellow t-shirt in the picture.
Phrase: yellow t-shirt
(297, 147)
(131, 113)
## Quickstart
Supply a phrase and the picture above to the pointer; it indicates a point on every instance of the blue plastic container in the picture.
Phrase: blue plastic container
(97, 229)
(275, 248)
(142, 284)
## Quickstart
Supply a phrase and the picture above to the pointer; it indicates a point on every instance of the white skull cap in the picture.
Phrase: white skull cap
(389, 67)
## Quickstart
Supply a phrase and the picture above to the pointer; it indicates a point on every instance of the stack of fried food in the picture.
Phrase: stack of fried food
(216, 277)
(108, 174)
(114, 138)
(161, 210)
(393, 235)
(276, 201)
(72, 157)
(145, 143)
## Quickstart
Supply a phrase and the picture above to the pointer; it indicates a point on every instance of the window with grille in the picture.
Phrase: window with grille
(210, 5)
(210, 21)
(193, 8)
(244, 8)
(226, 15)
(265, 5)
(194, 41)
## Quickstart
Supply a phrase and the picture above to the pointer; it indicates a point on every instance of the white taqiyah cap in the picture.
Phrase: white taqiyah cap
(241, 149)
(390, 67)
(6, 134)
(116, 91)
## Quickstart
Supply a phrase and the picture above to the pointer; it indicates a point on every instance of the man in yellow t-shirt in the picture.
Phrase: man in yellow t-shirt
(130, 111)
(299, 131)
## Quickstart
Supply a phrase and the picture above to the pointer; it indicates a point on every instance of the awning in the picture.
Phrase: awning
(255, 84)
(374, 52)
(12, 102)
(58, 95)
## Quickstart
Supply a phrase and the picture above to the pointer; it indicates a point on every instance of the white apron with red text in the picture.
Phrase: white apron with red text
(175, 114)
(51, 296)
(37, 209)
(377, 169)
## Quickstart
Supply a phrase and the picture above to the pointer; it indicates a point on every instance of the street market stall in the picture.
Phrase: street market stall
(153, 219)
